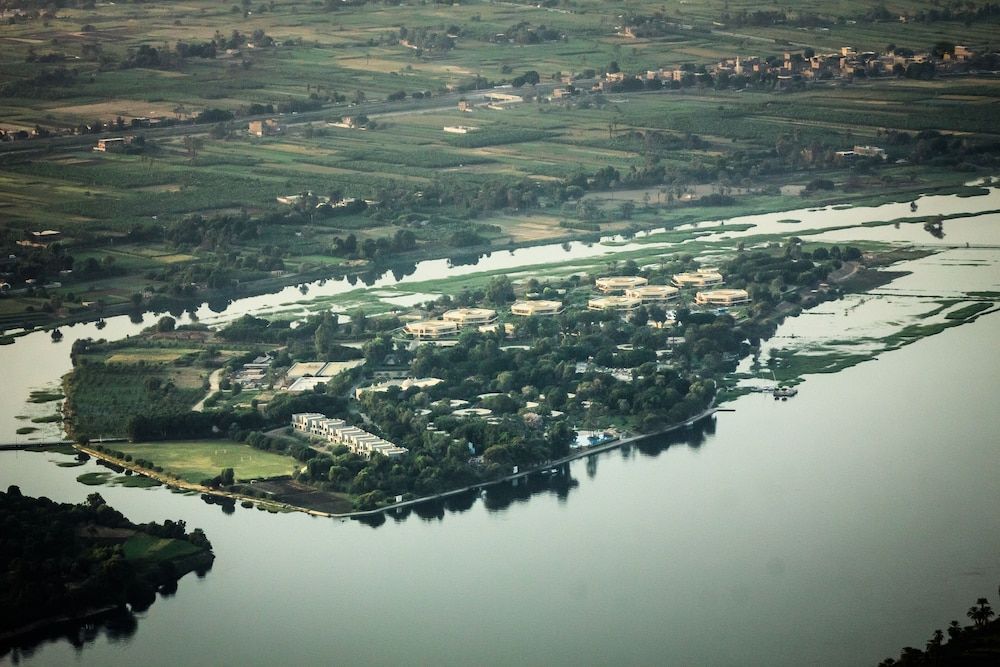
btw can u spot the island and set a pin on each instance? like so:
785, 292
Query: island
347, 417
62, 563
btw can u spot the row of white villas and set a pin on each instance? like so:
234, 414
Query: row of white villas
339, 432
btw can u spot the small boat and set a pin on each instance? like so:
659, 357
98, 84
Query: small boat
784, 392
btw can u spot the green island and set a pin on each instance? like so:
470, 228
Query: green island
61, 563
247, 147
503, 378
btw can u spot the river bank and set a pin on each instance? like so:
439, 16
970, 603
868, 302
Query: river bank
689, 216
172, 482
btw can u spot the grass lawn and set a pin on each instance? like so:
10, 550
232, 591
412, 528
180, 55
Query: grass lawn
195, 460
144, 547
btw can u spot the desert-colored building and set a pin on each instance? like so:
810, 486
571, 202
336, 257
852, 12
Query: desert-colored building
699, 278
611, 284
465, 317
431, 329
722, 297
624, 304
529, 308
653, 293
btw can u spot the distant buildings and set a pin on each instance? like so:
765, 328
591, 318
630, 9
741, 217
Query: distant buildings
722, 297
870, 151
41, 239
113, 145
431, 329
263, 128
459, 129
612, 284
699, 278
339, 432
625, 304
529, 308
465, 317
653, 293
402, 383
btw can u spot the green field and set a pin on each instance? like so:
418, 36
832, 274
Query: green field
120, 212
196, 460
143, 547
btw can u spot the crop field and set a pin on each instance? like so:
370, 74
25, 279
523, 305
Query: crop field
322, 58
196, 460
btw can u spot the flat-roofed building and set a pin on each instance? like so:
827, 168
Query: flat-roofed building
431, 329
653, 293
465, 317
529, 308
339, 432
303, 421
699, 278
611, 284
113, 144
624, 304
722, 297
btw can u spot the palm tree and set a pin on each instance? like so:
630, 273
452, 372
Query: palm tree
982, 614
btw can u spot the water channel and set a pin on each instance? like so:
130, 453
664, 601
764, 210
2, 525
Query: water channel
831, 529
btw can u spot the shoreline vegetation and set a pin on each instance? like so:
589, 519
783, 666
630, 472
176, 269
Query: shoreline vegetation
91, 562
174, 483
13, 328
976, 645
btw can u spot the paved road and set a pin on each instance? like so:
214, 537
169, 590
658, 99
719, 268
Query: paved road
372, 109
214, 380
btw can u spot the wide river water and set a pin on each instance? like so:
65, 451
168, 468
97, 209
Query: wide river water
831, 529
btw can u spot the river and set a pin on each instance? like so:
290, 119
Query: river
834, 529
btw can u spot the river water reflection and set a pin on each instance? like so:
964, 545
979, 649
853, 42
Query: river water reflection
834, 528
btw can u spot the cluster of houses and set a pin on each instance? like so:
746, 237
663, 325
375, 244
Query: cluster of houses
253, 374
114, 144
339, 432
625, 294
794, 66
496, 101
622, 294
264, 128
41, 239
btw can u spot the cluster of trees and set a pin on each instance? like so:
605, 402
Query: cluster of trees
657, 24
45, 84
375, 249
216, 232
427, 39
759, 18
525, 33
55, 559
965, 645
968, 13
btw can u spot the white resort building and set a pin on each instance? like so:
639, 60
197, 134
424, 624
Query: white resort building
431, 329
625, 304
339, 432
611, 284
653, 293
722, 297
467, 317
699, 278
529, 308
